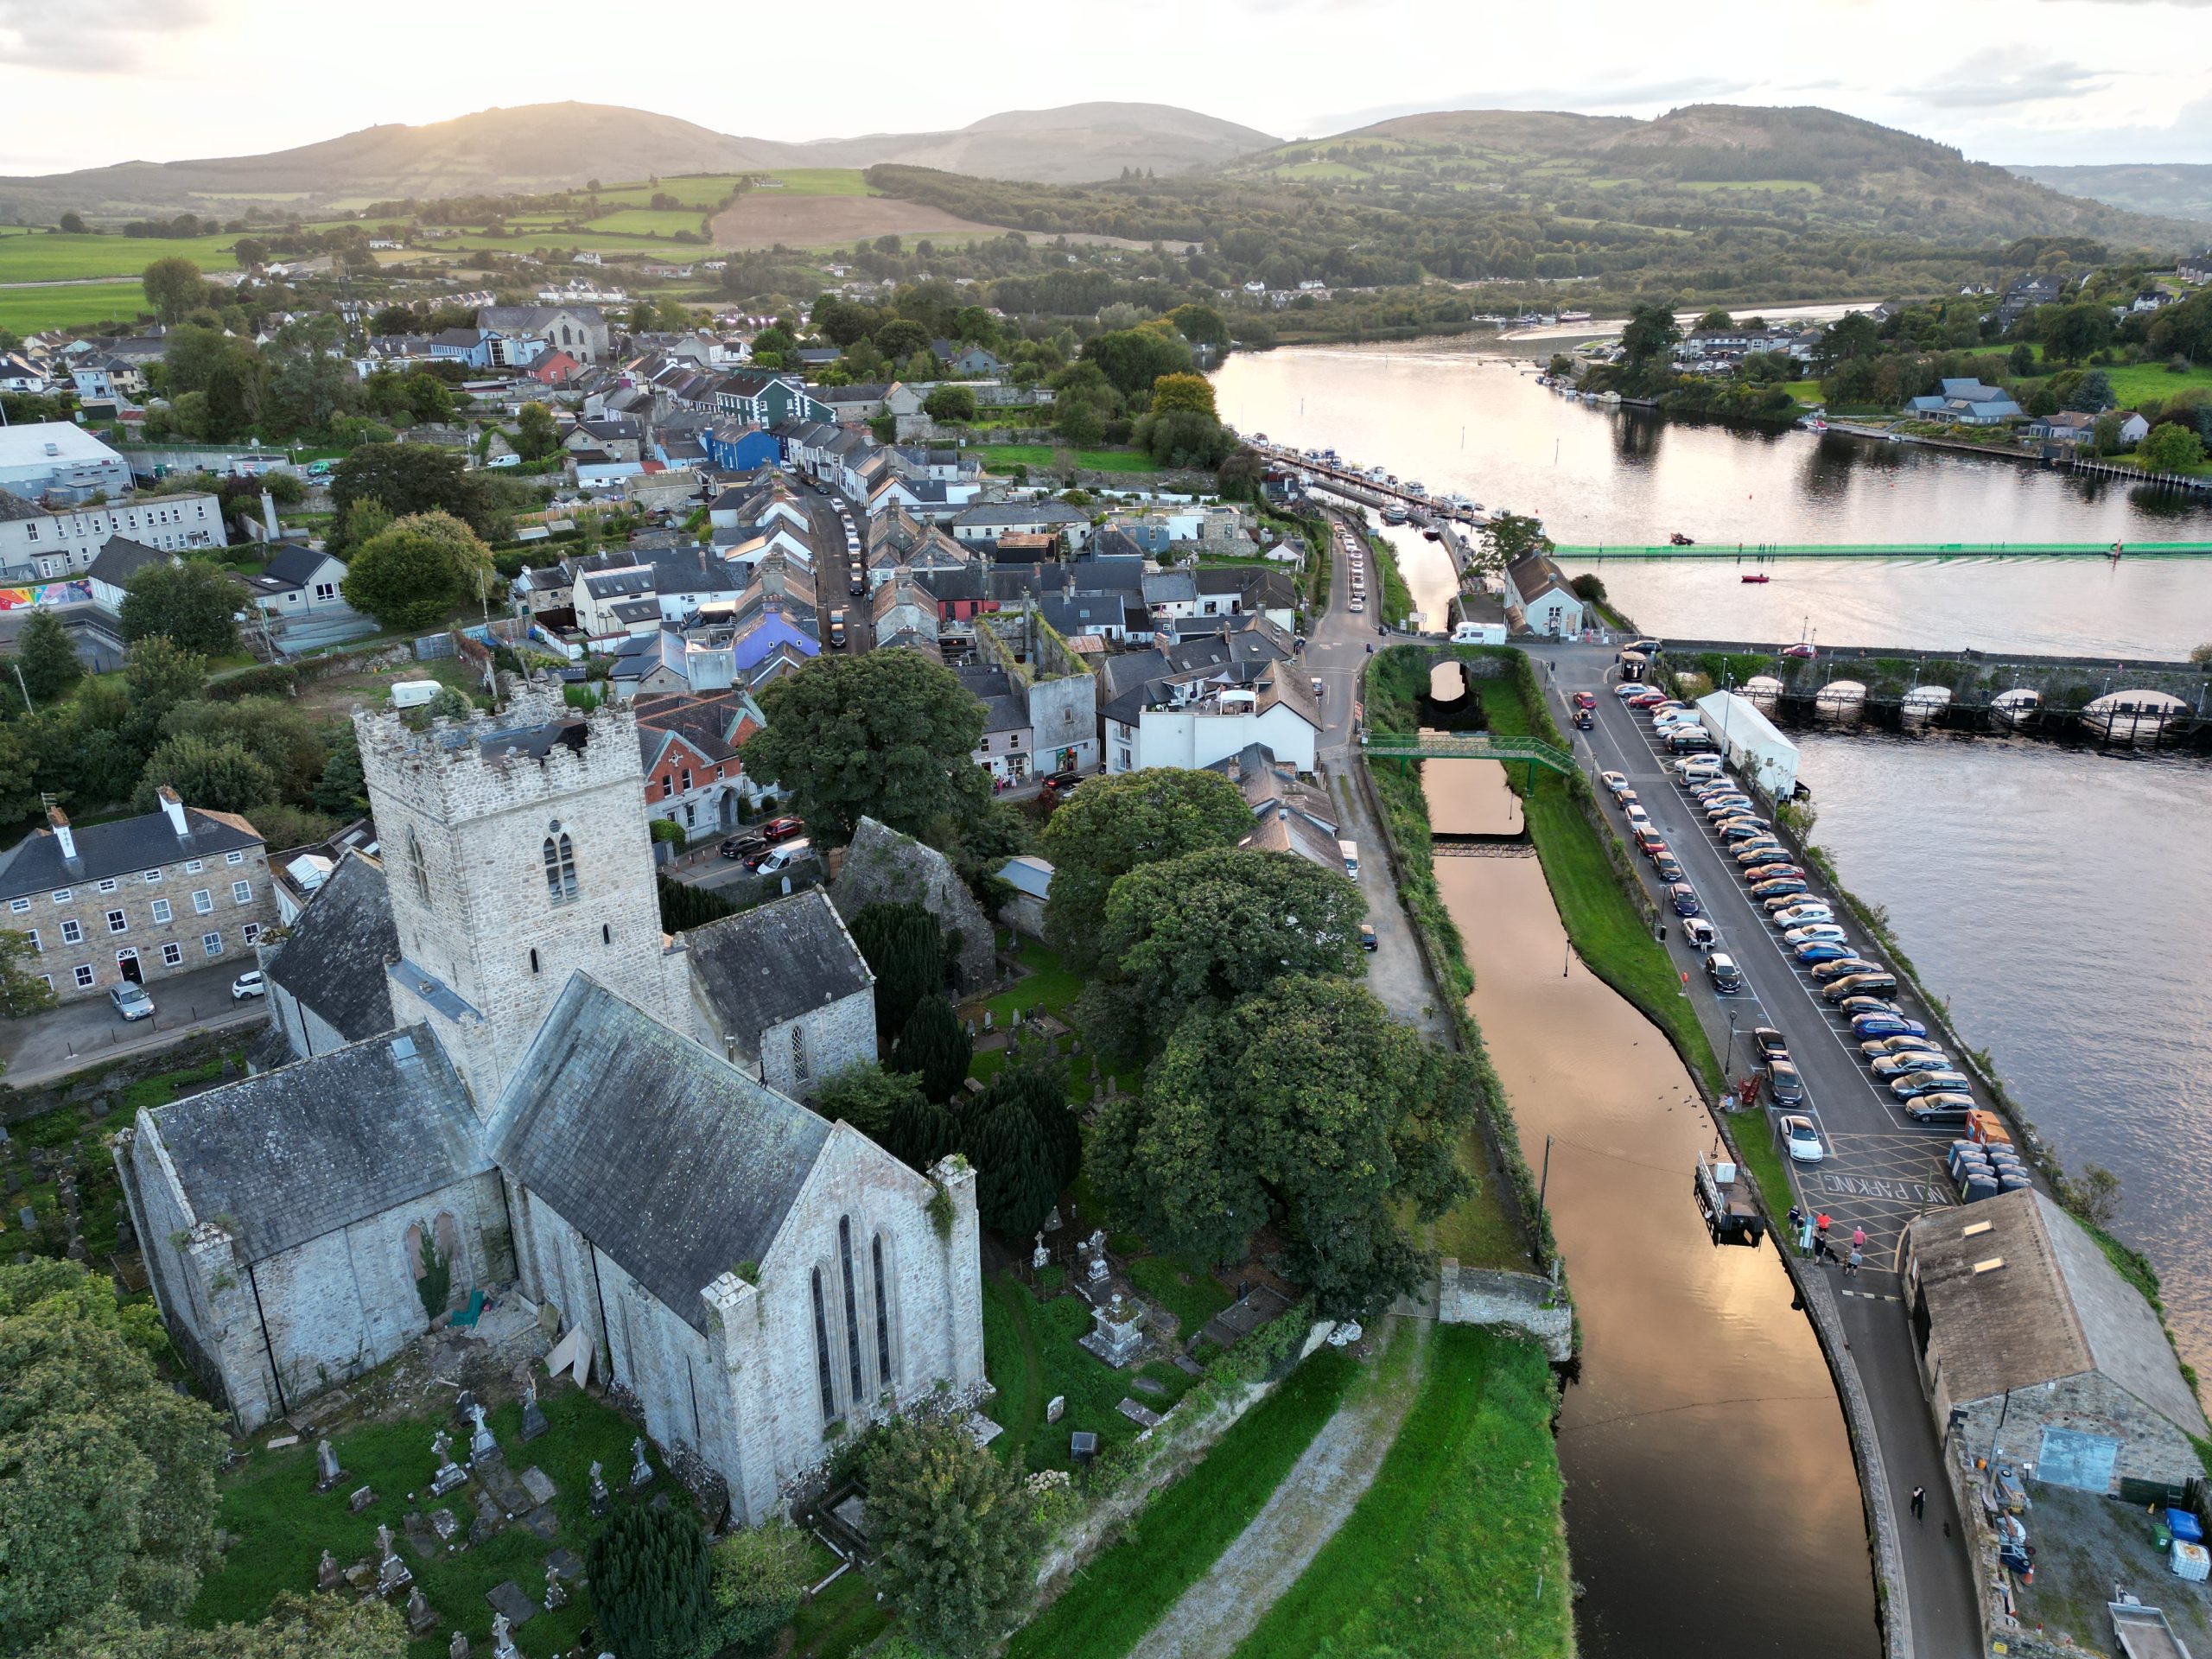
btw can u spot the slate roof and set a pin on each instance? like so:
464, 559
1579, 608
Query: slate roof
1004, 710
321, 1144
123, 847
774, 963
2055, 1308
663, 1154
333, 958
120, 558
296, 566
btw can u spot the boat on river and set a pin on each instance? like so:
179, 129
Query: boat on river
1724, 1196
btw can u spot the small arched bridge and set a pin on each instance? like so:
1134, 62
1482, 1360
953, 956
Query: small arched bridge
1467, 746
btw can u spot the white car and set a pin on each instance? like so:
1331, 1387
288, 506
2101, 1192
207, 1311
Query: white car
1814, 933
1810, 915
1615, 782
1802, 1139
247, 985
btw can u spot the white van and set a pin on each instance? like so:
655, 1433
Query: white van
413, 694
1348, 851
1478, 633
785, 856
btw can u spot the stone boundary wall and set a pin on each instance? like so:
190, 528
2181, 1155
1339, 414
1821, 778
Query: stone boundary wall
1527, 1301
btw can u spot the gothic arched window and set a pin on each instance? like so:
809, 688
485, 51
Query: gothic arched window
799, 1069
559, 866
882, 1320
852, 1305
421, 870
822, 1352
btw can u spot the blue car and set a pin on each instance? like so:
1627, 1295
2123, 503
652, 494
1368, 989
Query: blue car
1886, 1025
1685, 899
1775, 888
1824, 950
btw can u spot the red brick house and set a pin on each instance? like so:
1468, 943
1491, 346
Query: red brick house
688, 747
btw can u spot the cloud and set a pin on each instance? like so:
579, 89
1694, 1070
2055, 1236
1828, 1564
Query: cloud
115, 38
2002, 76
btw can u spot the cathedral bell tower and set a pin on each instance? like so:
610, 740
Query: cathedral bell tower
517, 851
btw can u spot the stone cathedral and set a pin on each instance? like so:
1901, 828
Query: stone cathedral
542, 1104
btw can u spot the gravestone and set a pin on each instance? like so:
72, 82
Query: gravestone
509, 1599
1056, 1407
422, 1535
361, 1575
420, 1621
503, 1640
557, 1593
326, 1575
362, 1498
464, 1405
1149, 1385
450, 1474
1144, 1417
541, 1520
599, 1499
564, 1562
327, 1474
15, 1180
480, 1443
1040, 1258
444, 1523
392, 1573
28, 1218
485, 1527
458, 1648
539, 1485
533, 1414
641, 1472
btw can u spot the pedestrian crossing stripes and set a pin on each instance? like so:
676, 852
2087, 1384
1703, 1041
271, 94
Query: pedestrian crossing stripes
1868, 1295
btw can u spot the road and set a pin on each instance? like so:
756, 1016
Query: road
47, 1045
1881, 1169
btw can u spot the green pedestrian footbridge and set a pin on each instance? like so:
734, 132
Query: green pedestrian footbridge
1467, 746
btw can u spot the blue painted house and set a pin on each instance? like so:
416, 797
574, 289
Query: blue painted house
734, 446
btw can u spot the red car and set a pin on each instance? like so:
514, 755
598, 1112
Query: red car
1584, 700
1646, 699
1801, 651
777, 829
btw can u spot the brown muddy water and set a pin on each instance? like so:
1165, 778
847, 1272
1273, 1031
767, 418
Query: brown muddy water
1712, 1504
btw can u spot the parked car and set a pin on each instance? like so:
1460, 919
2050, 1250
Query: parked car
1684, 898
1614, 782
1804, 1139
1636, 814
1061, 785
1886, 1025
1820, 952
1767, 1042
1666, 866
1916, 1084
1864, 1002
1727, 978
1646, 839
1902, 1043
1802, 651
1751, 858
782, 828
1942, 1109
1646, 698
836, 630
131, 1000
1799, 915
1367, 939
1745, 828
1700, 933
1812, 932
1845, 967
1775, 888
1690, 740
1759, 874
1629, 691
1874, 984
1626, 796
249, 984
1915, 1059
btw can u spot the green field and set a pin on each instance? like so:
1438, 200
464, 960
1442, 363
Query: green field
1458, 1547
50, 256
27, 311
594, 240
645, 221
998, 457
1122, 1593
821, 181
701, 191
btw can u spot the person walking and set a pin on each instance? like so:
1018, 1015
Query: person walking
1920, 1504
1821, 1223
1859, 1238
1851, 1265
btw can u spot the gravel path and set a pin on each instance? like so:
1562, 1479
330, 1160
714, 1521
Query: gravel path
1217, 1612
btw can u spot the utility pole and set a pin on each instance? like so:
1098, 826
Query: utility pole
1544, 1181
28, 706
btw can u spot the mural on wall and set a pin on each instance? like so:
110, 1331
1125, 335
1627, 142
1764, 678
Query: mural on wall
46, 593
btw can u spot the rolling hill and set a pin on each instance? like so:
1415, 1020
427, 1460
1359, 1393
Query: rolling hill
549, 147
2177, 189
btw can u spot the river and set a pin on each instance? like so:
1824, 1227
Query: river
1478, 423
1710, 1498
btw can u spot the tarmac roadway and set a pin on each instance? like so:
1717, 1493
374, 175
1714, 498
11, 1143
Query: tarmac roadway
1880, 1171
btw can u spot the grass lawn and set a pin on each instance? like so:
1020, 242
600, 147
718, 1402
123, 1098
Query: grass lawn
1184, 1287
53, 256
999, 457
1048, 985
701, 191
1030, 1352
646, 221
1459, 1547
1609, 935
843, 1619
283, 1524
821, 180
28, 311
1123, 1592
2131, 381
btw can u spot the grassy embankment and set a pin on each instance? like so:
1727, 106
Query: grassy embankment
1389, 599
1003, 457
1124, 1591
1459, 1547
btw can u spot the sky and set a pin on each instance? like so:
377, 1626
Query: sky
2006, 81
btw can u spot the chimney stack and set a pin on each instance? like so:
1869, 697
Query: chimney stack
174, 806
58, 821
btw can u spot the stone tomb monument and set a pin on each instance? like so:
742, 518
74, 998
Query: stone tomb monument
1116, 1335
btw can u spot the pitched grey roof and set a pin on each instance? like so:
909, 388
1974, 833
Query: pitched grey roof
301, 1151
333, 959
663, 1156
121, 558
772, 964
123, 847
296, 565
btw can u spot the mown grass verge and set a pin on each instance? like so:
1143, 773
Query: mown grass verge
1030, 1352
1184, 1530
1459, 1547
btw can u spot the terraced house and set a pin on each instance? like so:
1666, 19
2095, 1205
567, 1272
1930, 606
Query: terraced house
139, 899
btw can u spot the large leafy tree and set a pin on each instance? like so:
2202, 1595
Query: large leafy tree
1023, 1140
173, 286
2171, 448
868, 1098
412, 574
759, 1576
298, 1627
220, 776
1306, 1108
110, 1495
888, 734
158, 674
191, 601
904, 948
934, 1047
1132, 359
652, 1585
21, 990
409, 479
1112, 825
1191, 392
1648, 338
1214, 925
290, 743
957, 1536
536, 434
46, 658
